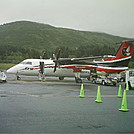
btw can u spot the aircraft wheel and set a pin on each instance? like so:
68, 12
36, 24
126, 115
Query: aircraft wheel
78, 80
61, 78
18, 78
114, 83
103, 82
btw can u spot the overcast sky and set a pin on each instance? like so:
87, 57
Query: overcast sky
110, 16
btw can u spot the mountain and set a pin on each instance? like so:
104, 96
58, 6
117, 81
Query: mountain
31, 34
39, 37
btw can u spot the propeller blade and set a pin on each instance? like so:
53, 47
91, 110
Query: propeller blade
58, 55
54, 56
55, 66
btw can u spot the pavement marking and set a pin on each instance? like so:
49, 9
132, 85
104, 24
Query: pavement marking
54, 95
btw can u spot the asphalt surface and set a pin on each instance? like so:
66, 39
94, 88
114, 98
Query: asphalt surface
53, 106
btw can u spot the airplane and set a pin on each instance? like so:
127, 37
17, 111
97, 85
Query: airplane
76, 67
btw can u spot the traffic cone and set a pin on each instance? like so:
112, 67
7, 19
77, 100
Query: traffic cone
120, 91
82, 91
127, 86
98, 99
124, 103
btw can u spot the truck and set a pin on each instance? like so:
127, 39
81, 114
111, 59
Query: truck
130, 78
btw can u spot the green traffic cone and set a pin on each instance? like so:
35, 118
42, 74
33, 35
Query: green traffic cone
82, 91
127, 86
120, 91
124, 103
98, 99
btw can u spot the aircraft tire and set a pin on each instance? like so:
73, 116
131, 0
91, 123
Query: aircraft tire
61, 78
18, 78
103, 83
114, 83
78, 80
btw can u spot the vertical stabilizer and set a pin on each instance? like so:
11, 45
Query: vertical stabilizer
126, 50
123, 54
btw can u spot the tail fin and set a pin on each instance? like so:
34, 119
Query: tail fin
123, 54
126, 50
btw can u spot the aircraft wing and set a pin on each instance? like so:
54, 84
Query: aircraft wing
79, 63
83, 60
86, 58
75, 62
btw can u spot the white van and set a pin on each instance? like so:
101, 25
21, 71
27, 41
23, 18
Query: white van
130, 78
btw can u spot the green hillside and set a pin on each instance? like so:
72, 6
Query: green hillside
31, 34
24, 39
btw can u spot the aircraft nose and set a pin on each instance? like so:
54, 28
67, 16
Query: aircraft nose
13, 70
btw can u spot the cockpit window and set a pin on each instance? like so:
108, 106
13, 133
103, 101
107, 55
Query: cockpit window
30, 63
26, 62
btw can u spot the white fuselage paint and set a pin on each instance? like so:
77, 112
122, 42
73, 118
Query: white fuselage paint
30, 67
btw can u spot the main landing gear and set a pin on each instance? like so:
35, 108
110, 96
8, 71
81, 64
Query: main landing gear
61, 78
41, 72
77, 77
18, 77
78, 80
41, 76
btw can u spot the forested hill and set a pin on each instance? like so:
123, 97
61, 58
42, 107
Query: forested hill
24, 39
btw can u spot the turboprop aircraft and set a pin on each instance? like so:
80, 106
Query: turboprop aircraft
76, 67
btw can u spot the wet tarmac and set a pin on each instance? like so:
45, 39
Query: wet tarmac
53, 106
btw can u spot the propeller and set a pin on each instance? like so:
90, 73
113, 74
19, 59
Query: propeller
56, 59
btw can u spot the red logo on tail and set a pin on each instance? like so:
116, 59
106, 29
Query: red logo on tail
126, 51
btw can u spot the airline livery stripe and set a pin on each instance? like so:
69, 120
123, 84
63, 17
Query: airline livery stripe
113, 68
112, 61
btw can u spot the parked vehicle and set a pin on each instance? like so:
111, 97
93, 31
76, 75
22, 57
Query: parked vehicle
104, 80
3, 77
130, 78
